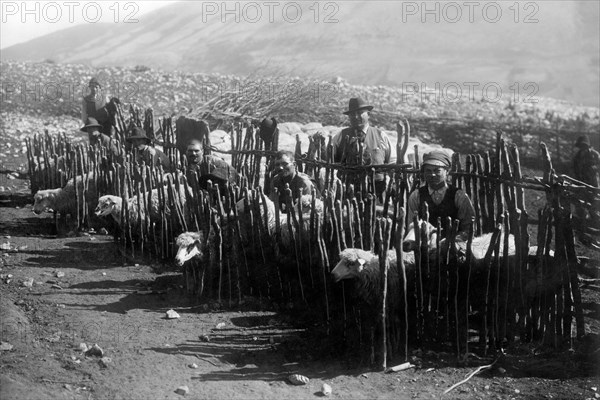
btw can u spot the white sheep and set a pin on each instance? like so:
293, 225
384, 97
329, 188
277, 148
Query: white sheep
286, 241
64, 200
189, 245
479, 246
112, 205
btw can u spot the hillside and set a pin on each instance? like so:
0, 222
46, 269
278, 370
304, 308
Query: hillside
559, 53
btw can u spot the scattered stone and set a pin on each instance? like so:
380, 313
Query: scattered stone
95, 351
19, 302
83, 347
401, 367
501, 370
221, 325
103, 231
517, 391
59, 274
171, 314
5, 246
56, 287
104, 362
326, 389
204, 338
21, 248
5, 346
104, 274
182, 390
27, 283
68, 387
193, 366
297, 379
54, 338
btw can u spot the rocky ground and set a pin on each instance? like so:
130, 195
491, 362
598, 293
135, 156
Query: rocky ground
61, 295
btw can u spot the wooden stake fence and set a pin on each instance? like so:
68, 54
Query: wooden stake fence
289, 259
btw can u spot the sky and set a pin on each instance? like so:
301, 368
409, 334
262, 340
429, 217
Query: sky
25, 20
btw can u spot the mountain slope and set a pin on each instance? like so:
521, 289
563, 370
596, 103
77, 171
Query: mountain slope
368, 45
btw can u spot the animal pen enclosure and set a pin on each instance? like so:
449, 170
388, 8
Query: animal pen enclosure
438, 296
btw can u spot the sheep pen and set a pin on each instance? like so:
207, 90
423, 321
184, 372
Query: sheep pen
252, 249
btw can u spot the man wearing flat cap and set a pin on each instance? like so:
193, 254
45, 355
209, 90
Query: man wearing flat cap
586, 166
146, 153
443, 200
376, 146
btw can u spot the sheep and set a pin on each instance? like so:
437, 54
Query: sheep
363, 267
64, 200
479, 247
306, 202
109, 205
112, 205
189, 245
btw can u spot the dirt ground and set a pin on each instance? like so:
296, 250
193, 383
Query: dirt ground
120, 304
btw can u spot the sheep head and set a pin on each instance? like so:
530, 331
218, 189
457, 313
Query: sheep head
189, 245
106, 205
43, 201
352, 262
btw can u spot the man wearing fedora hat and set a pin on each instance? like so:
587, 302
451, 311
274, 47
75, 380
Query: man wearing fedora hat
586, 165
443, 200
376, 146
97, 138
208, 167
146, 153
